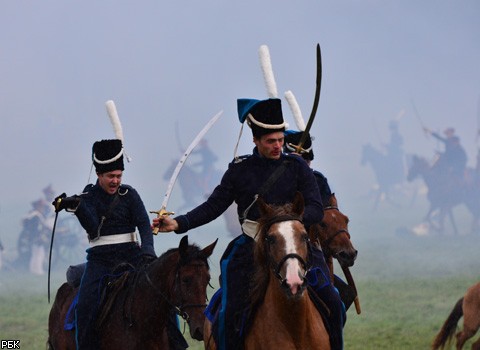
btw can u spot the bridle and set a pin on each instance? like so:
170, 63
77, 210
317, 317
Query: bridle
180, 310
276, 267
331, 238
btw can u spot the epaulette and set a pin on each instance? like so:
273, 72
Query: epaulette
86, 189
240, 159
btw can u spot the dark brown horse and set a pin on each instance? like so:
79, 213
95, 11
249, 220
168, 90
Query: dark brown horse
469, 307
442, 194
137, 316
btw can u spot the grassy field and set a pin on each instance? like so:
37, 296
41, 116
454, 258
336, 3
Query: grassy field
407, 284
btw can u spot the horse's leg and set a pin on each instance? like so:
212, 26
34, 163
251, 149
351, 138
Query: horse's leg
463, 336
476, 345
471, 317
452, 220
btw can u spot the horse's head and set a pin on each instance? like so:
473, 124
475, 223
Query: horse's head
333, 234
282, 244
418, 166
188, 276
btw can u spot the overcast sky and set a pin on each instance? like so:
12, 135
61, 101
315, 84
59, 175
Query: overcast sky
183, 61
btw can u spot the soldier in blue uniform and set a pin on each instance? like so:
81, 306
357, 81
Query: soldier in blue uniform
110, 212
292, 139
247, 177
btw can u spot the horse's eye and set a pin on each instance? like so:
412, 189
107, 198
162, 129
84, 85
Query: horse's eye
270, 239
187, 280
305, 237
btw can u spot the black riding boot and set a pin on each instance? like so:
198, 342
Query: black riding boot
319, 282
236, 270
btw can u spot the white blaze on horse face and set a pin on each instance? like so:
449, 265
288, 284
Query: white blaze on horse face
293, 268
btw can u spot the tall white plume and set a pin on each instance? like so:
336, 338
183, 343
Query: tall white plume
295, 108
267, 70
117, 125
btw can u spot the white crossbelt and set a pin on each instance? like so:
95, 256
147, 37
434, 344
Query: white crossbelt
114, 239
250, 227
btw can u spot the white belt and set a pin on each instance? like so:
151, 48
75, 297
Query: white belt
250, 228
114, 239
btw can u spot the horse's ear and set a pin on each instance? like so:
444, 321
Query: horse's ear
183, 246
298, 204
207, 251
263, 207
333, 200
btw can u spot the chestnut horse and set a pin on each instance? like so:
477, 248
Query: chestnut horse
285, 316
333, 236
139, 303
469, 307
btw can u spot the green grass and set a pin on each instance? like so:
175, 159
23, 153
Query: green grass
407, 285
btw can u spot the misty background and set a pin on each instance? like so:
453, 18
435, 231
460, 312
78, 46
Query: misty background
176, 64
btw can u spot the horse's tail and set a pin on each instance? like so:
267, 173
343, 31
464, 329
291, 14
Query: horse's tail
449, 327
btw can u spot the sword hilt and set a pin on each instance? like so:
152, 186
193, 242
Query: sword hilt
160, 213
298, 148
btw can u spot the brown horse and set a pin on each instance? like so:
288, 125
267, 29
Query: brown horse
140, 302
333, 236
469, 307
285, 316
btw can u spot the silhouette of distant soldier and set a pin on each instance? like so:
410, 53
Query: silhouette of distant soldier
388, 165
33, 239
208, 174
395, 154
452, 162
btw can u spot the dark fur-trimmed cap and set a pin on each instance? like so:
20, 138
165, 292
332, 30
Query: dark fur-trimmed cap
107, 155
292, 138
263, 116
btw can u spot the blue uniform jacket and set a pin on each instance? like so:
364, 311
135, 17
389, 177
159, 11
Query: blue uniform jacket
243, 180
126, 215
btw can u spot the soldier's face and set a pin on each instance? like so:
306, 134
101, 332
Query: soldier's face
110, 181
270, 145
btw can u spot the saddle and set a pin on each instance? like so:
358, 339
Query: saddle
111, 285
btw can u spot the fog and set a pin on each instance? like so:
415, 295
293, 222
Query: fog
168, 64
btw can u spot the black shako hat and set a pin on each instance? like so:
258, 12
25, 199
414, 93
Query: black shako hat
262, 116
107, 155
292, 139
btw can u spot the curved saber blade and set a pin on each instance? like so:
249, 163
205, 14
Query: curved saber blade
180, 164
315, 101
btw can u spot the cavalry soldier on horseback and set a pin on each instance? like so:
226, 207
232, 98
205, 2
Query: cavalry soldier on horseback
276, 177
110, 212
453, 161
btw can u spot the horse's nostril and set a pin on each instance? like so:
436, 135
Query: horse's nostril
198, 334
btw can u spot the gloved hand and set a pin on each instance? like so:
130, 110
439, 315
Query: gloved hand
68, 203
147, 259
